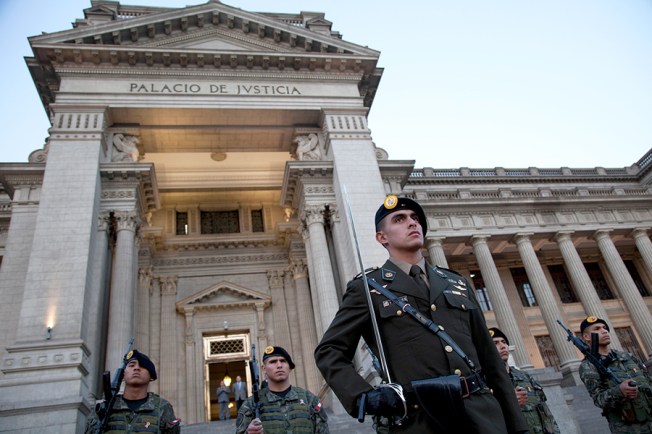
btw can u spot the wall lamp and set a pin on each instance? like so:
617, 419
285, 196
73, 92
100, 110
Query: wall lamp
48, 333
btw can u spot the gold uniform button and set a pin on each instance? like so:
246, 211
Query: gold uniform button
399, 312
433, 307
458, 372
448, 349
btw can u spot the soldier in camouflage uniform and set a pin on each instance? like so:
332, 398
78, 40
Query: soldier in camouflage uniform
283, 408
529, 393
626, 405
137, 410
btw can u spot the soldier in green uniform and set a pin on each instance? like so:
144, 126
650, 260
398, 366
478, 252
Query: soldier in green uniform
137, 410
626, 405
529, 393
283, 408
413, 352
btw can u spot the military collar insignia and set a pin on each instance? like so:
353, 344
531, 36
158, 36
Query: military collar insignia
388, 274
440, 273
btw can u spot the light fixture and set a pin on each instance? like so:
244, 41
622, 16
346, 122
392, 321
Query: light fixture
227, 379
48, 333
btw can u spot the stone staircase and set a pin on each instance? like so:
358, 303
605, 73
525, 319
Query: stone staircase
336, 423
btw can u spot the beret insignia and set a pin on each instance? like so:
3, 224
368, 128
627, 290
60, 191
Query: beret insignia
591, 319
269, 349
390, 201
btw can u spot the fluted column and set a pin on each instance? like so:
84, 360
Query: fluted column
155, 327
580, 278
308, 330
293, 318
142, 309
122, 299
644, 246
504, 315
631, 297
435, 246
191, 381
262, 328
323, 271
547, 304
168, 362
305, 234
279, 309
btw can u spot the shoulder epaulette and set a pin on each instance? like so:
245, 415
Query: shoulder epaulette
367, 271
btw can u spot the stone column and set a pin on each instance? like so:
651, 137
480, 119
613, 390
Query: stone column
262, 329
435, 246
142, 309
305, 234
549, 308
581, 280
323, 272
155, 327
294, 328
279, 309
644, 246
631, 297
191, 382
504, 315
307, 330
122, 299
168, 362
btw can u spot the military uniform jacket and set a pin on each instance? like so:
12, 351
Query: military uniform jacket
624, 415
299, 412
156, 415
536, 412
415, 353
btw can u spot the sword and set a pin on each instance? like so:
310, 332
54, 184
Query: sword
374, 322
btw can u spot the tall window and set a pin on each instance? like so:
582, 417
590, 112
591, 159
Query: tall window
629, 342
182, 223
548, 353
480, 290
220, 222
598, 281
563, 285
523, 287
257, 221
637, 278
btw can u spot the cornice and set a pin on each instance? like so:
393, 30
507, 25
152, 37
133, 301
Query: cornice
294, 171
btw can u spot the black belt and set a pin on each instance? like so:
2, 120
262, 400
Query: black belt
470, 384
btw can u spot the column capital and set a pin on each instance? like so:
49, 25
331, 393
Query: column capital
563, 235
523, 237
275, 278
639, 232
314, 214
479, 239
127, 220
601, 234
104, 221
434, 242
168, 285
299, 268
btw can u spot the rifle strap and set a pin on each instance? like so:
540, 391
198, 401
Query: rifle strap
426, 322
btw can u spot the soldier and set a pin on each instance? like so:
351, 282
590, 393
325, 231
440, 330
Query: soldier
418, 361
626, 405
138, 410
283, 408
529, 393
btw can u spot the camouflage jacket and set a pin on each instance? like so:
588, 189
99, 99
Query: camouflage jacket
156, 415
536, 412
624, 415
298, 412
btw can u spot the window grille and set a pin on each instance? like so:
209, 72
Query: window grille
547, 351
220, 222
226, 347
257, 221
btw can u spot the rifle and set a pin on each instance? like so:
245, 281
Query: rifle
111, 390
255, 386
590, 354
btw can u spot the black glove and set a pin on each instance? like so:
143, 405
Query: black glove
384, 401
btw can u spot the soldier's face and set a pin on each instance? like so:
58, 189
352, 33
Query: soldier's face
135, 374
401, 230
277, 369
601, 330
502, 347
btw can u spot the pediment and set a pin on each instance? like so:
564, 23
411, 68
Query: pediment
210, 26
223, 295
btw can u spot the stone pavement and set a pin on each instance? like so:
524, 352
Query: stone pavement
337, 424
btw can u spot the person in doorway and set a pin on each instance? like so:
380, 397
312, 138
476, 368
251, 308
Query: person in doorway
434, 388
529, 393
239, 392
223, 393
283, 408
137, 410
627, 404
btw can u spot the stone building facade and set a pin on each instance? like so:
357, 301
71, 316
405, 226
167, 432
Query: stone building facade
194, 193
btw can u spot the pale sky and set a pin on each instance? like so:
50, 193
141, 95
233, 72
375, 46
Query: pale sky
467, 83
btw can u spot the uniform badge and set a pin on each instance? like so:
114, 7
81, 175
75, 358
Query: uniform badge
318, 407
147, 425
129, 354
440, 273
388, 274
390, 201
591, 319
386, 303
459, 287
269, 349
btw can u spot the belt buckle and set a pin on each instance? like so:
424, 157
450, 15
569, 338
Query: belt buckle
465, 385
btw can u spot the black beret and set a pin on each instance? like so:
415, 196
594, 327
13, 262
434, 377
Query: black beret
272, 351
393, 203
496, 333
590, 320
143, 361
